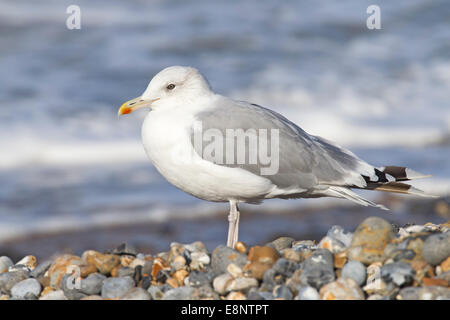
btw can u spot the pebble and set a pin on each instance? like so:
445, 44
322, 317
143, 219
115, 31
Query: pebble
92, 284
181, 293
307, 293
282, 292
24, 287
256, 269
241, 284
341, 289
236, 295
155, 292
370, 239
285, 267
445, 265
318, 269
331, 244
198, 278
282, 243
355, 270
136, 294
9, 279
222, 256
241, 247
199, 260
116, 287
125, 271
66, 263
436, 248
93, 297
400, 273
338, 233
124, 249
5, 263
40, 269
71, 286
424, 293
104, 263
266, 255
178, 263
220, 283
196, 246
54, 295
234, 270
29, 261
291, 254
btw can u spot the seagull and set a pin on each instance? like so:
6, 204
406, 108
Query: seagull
224, 150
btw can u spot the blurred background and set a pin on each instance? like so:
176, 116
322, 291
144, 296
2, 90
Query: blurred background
74, 177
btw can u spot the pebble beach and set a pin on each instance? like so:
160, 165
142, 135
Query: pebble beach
376, 261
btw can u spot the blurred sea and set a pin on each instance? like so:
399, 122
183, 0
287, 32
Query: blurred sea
67, 164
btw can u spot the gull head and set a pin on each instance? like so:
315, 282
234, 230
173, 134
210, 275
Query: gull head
173, 86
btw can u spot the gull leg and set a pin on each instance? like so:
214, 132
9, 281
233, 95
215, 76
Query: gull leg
236, 227
233, 220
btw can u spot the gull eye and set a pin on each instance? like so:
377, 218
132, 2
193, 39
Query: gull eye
170, 86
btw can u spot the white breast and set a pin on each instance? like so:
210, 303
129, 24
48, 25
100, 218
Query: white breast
167, 142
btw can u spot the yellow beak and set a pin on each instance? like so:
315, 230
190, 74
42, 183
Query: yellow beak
134, 104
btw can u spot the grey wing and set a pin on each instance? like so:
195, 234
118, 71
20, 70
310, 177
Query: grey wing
292, 159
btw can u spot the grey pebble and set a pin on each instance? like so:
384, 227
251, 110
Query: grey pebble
222, 256
40, 269
136, 294
399, 273
125, 271
307, 293
436, 248
282, 292
116, 287
198, 278
338, 233
26, 289
304, 245
5, 263
124, 249
355, 270
9, 279
285, 267
155, 292
318, 269
92, 284
281, 243
425, 293
70, 286
181, 293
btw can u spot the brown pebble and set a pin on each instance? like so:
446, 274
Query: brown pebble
370, 240
340, 259
256, 269
241, 247
172, 282
435, 282
87, 269
62, 265
158, 264
115, 271
236, 295
291, 254
104, 263
180, 275
93, 297
267, 255
341, 289
445, 265
47, 290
